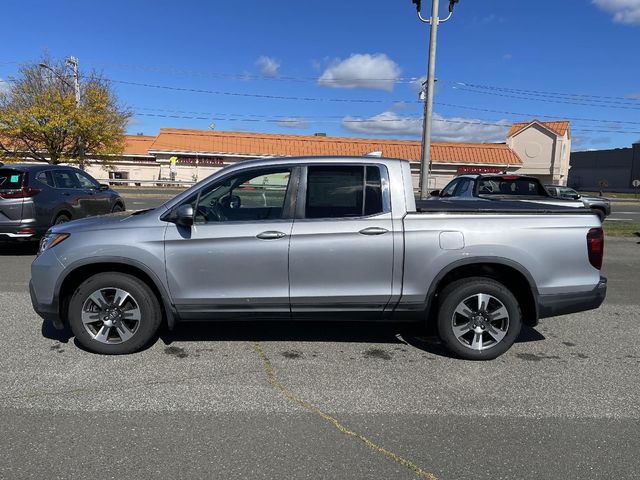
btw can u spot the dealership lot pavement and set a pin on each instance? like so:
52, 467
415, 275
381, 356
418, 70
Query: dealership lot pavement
265, 400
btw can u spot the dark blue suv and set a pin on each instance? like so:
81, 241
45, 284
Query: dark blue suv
34, 197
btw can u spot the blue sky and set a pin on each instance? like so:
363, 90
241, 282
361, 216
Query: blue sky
348, 67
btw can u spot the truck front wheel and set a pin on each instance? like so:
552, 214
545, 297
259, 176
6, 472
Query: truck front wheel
114, 313
479, 318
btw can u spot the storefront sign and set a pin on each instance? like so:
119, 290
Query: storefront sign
480, 170
200, 160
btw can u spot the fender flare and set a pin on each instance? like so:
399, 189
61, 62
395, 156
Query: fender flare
127, 262
478, 261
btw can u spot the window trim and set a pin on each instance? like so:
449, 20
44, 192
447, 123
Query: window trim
301, 201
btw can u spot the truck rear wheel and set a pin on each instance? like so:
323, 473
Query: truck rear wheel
114, 313
479, 318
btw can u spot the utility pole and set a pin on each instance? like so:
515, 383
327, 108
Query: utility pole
73, 61
425, 158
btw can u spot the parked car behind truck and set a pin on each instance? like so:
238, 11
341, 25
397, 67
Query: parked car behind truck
339, 238
33, 197
599, 205
501, 187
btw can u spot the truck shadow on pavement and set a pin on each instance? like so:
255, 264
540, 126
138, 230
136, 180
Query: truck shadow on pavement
338, 332
290, 331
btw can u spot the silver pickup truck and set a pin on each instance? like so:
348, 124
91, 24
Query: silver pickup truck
331, 238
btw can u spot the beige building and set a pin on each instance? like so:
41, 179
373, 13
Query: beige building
544, 148
534, 148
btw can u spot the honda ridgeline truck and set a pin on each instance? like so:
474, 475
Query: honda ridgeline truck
330, 238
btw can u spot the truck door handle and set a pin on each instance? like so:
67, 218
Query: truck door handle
374, 231
270, 235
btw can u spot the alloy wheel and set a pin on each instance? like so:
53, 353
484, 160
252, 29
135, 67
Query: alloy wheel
480, 321
111, 315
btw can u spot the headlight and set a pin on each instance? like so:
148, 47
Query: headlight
50, 240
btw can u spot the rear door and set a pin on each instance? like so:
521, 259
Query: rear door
98, 202
341, 249
70, 193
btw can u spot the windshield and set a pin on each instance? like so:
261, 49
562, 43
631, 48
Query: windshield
510, 186
10, 179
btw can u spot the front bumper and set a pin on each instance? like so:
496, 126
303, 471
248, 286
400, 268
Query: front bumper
49, 312
565, 303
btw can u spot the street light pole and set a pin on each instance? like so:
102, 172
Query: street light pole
425, 158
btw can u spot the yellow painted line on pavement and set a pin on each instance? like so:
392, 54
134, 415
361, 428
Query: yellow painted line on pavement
268, 370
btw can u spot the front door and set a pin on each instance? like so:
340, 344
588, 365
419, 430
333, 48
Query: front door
234, 260
341, 252
98, 201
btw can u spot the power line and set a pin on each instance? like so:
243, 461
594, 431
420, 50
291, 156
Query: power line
535, 115
252, 95
619, 105
411, 79
544, 93
406, 117
437, 120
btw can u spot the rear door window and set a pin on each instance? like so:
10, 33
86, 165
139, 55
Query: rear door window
65, 179
45, 177
11, 179
340, 191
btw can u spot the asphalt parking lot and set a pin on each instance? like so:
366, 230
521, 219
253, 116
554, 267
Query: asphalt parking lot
286, 400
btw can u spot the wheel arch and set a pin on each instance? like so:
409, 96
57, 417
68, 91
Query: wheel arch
80, 272
62, 211
511, 274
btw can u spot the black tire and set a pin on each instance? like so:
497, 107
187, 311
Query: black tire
467, 289
62, 218
117, 208
599, 213
140, 295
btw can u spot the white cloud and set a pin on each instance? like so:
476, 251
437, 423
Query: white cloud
403, 107
4, 86
385, 123
453, 129
624, 11
362, 70
268, 65
293, 122
634, 96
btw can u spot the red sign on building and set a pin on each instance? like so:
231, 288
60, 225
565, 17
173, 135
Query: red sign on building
480, 170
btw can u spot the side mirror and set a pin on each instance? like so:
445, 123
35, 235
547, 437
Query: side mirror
435, 193
184, 215
103, 187
577, 197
